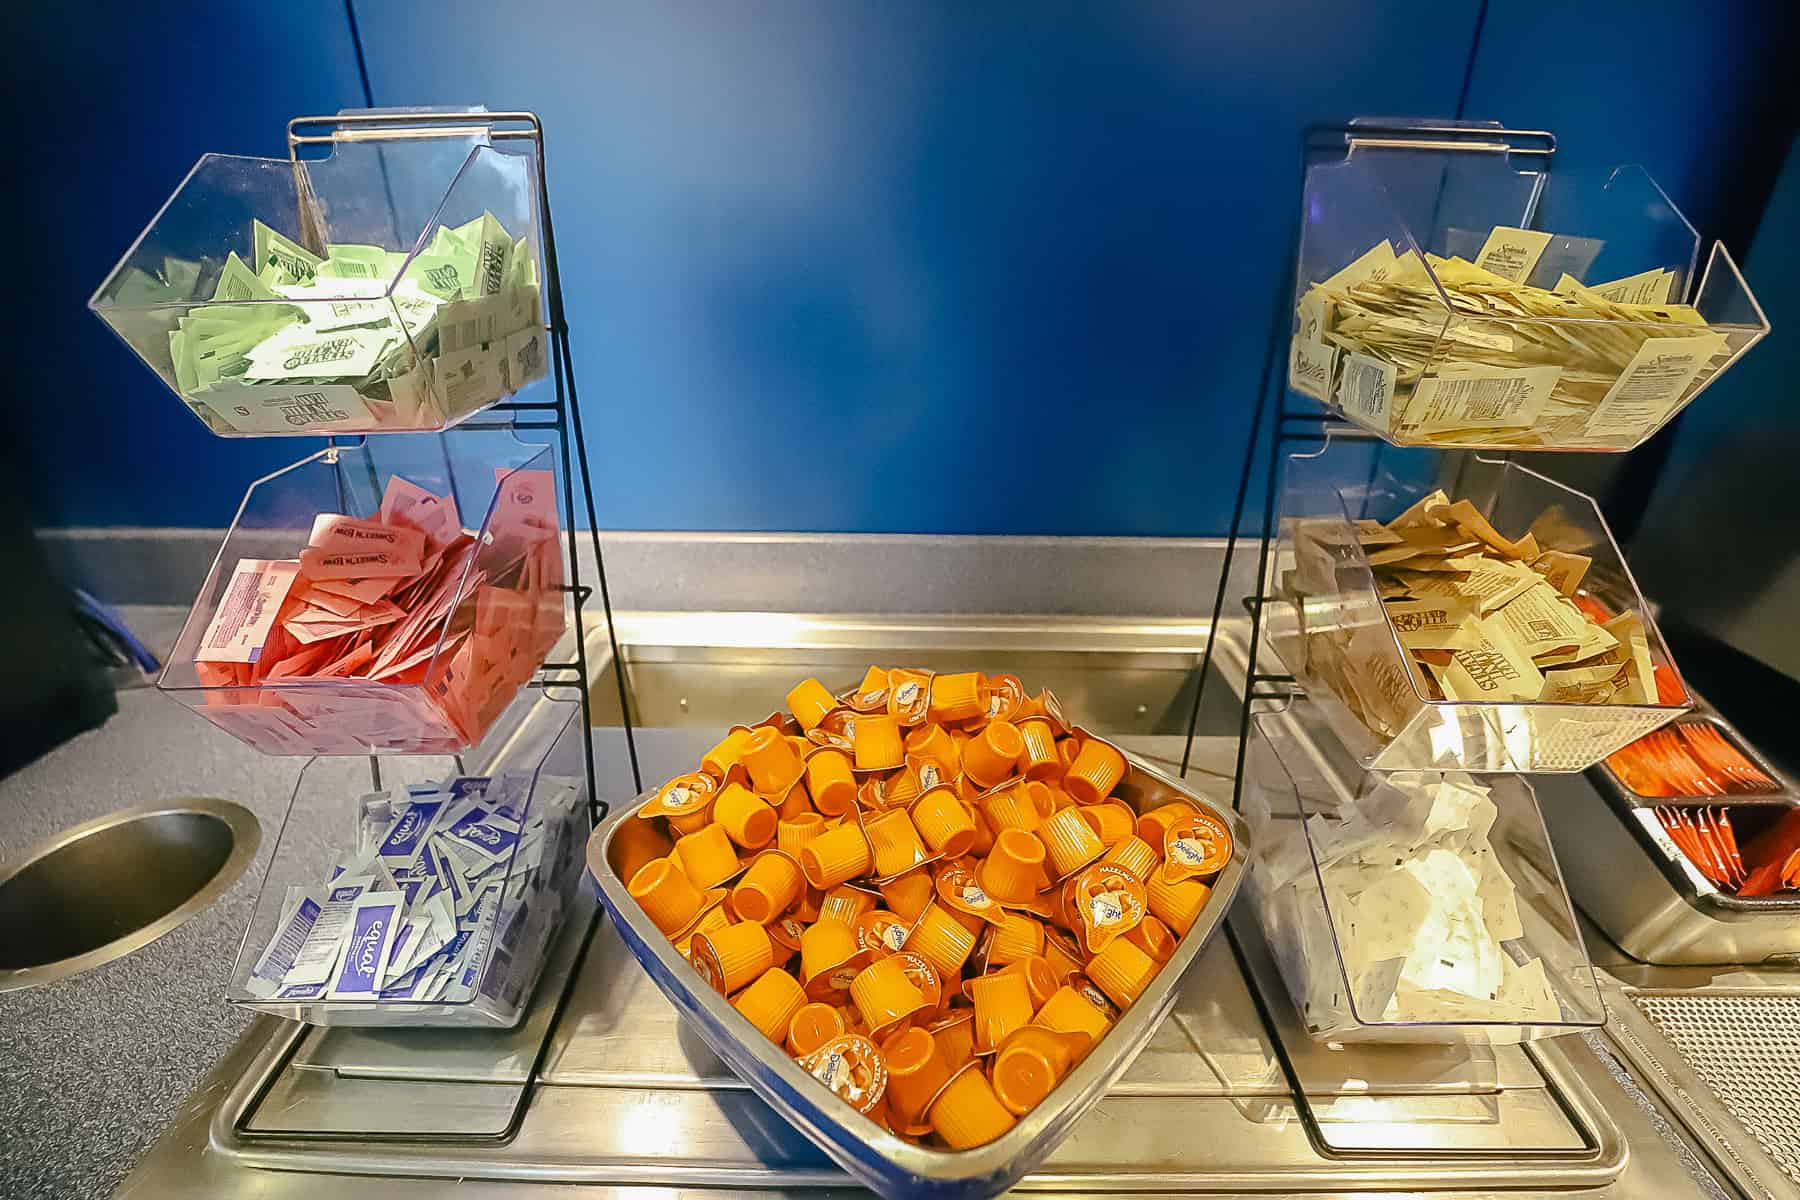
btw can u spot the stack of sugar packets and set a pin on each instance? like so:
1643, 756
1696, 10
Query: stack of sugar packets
453, 891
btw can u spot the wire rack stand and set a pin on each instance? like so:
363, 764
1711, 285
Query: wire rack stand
560, 416
1298, 421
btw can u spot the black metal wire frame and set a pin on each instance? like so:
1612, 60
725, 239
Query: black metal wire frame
562, 416
1313, 425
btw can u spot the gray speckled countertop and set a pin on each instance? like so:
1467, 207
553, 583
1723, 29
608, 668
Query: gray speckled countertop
149, 1026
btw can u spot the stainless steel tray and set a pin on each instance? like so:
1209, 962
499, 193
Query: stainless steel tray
882, 1161
1638, 887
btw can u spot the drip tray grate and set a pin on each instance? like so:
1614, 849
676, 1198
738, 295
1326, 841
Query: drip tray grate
1747, 1050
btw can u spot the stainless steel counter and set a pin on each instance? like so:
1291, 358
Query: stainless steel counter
626, 1099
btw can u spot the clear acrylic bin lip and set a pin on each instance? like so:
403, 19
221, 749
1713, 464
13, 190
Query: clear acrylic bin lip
1474, 735
542, 738
487, 473
397, 196
876, 1158
1607, 226
1291, 766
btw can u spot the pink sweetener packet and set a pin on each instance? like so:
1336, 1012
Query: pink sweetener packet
357, 564
354, 660
306, 632
247, 611
309, 593
362, 591
524, 515
304, 662
334, 531
417, 658
406, 503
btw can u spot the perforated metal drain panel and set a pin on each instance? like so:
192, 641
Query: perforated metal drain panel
1747, 1049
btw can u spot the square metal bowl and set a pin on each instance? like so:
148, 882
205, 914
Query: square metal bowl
878, 1159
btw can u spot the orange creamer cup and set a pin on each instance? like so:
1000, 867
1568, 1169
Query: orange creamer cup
1041, 761
1002, 1004
945, 823
909, 695
667, 896
792, 834
1095, 772
871, 693
967, 1113
1063, 955
955, 1034
992, 755
959, 697
1154, 938
768, 889
691, 822
1111, 820
1020, 937
836, 856
1040, 978
1013, 872
1012, 808
877, 745
773, 764
770, 1002
1067, 1012
896, 844
1195, 846
638, 842
984, 833
846, 904
901, 789
933, 743
1122, 971
828, 946
884, 996
809, 701
707, 857
1136, 855
908, 895
830, 781
813, 1025
795, 803
1071, 841
941, 941
881, 932
917, 1072
715, 918
746, 818
1177, 904
852, 1067
1153, 826
727, 754
731, 957
1031, 1063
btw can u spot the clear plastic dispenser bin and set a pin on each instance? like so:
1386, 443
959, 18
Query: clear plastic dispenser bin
474, 632
504, 907
1327, 622
392, 286
1463, 296
1401, 908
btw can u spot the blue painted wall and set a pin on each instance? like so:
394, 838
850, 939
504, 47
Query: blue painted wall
133, 95
1000, 268
1717, 541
